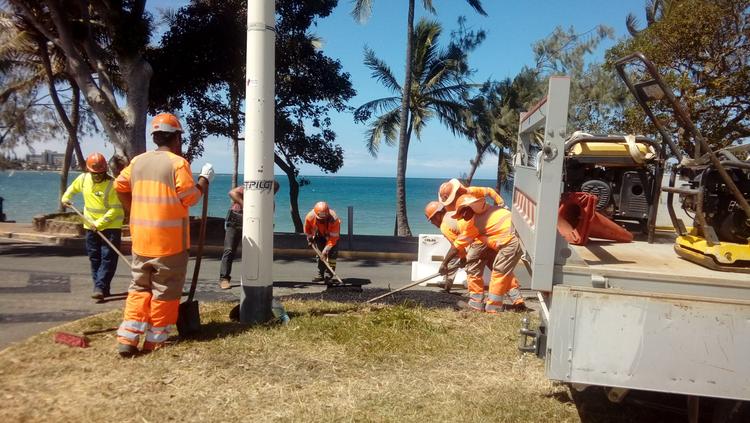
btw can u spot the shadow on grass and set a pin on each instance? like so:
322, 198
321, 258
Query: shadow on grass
217, 330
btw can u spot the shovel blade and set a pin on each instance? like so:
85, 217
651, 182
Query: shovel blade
189, 319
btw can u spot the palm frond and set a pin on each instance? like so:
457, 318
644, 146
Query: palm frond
381, 71
427, 4
477, 5
362, 10
379, 105
384, 127
631, 23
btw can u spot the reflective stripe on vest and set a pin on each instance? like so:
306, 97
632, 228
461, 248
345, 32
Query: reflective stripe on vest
155, 200
171, 223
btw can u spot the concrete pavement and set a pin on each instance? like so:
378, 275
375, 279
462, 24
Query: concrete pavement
42, 286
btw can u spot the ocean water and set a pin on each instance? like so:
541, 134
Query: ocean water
30, 193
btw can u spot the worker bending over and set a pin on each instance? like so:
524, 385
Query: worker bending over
476, 261
322, 227
493, 226
451, 190
103, 213
448, 225
157, 189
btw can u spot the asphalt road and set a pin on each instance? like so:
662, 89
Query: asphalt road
42, 286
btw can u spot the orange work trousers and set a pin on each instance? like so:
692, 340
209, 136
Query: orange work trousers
153, 299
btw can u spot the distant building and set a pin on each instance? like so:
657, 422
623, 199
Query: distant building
51, 160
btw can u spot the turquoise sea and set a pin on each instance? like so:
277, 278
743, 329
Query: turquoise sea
28, 193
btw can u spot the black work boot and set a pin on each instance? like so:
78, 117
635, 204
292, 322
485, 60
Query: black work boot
319, 278
127, 351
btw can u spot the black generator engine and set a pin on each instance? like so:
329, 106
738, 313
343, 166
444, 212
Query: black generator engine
621, 170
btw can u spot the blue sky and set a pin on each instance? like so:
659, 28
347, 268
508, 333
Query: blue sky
512, 27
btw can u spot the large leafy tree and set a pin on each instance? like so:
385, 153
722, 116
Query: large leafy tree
437, 87
703, 50
362, 11
200, 68
206, 78
102, 43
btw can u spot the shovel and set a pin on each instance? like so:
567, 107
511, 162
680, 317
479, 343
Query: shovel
320, 256
188, 317
122, 256
404, 287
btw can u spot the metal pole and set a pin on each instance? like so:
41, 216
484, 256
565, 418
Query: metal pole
257, 227
350, 225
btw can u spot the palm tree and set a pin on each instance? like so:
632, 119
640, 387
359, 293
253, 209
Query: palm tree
362, 11
436, 90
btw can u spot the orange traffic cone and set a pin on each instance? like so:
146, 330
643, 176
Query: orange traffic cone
604, 228
575, 216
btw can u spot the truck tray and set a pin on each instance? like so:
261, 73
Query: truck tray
647, 267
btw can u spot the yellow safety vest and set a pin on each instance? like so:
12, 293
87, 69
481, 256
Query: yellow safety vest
101, 204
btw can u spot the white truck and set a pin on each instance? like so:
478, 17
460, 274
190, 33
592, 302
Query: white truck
623, 316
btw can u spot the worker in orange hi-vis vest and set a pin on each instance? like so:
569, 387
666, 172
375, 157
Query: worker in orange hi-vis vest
449, 227
451, 190
157, 189
493, 226
322, 227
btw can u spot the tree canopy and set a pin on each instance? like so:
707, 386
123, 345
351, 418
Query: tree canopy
703, 51
201, 70
102, 44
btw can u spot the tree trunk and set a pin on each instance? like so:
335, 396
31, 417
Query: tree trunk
137, 73
475, 163
402, 221
71, 127
72, 142
291, 175
500, 176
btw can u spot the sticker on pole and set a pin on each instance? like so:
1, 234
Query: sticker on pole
261, 185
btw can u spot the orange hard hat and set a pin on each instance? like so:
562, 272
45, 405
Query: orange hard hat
165, 122
321, 210
432, 208
476, 204
96, 163
448, 191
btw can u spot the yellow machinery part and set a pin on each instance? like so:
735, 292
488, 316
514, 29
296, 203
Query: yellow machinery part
724, 254
605, 149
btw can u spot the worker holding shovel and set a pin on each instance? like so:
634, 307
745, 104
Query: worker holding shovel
322, 227
157, 189
102, 213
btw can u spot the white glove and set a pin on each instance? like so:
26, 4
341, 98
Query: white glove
207, 171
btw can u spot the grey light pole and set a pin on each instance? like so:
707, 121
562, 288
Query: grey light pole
257, 227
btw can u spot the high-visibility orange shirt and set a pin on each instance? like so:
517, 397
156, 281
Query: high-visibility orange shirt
481, 192
449, 227
329, 228
493, 227
162, 189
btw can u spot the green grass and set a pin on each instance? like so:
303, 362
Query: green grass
333, 362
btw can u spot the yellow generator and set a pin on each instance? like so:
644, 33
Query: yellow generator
715, 185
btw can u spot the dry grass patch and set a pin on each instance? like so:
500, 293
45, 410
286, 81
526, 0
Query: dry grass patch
333, 362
